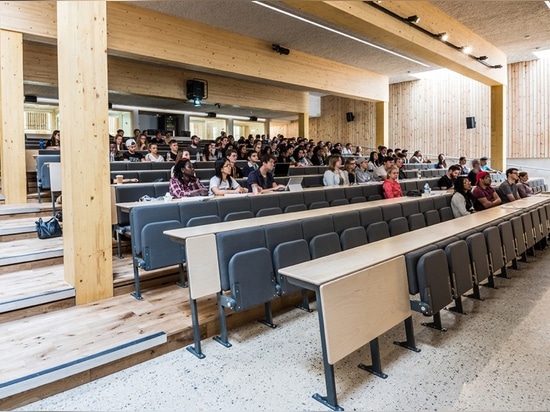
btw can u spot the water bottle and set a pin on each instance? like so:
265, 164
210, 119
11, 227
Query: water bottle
42, 145
198, 156
419, 174
111, 157
427, 190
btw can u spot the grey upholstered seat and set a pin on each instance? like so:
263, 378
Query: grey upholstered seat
391, 211
288, 254
269, 211
324, 244
432, 217
370, 215
202, 220
295, 208
314, 226
353, 237
398, 226
240, 215
342, 221
416, 221
508, 245
319, 205
377, 231
446, 213
480, 263
409, 208
339, 202
519, 237
434, 284
458, 259
495, 251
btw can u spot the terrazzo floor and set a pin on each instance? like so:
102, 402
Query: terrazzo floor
496, 358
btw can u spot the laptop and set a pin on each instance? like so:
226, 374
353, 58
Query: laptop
281, 169
294, 184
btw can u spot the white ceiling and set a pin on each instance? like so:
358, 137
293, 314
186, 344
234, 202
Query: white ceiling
516, 27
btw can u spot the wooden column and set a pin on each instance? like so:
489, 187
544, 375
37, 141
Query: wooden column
303, 125
83, 109
12, 130
498, 128
382, 130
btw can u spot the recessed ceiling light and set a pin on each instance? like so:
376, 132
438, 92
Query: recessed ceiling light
547, 3
357, 39
542, 54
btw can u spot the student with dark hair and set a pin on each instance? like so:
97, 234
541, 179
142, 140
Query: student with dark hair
261, 179
508, 191
173, 153
333, 176
232, 156
524, 189
185, 183
222, 183
55, 141
252, 163
448, 179
476, 168
484, 195
462, 202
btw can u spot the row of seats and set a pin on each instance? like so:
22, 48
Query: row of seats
441, 274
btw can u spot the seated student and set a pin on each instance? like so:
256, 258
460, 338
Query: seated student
447, 180
261, 179
381, 172
185, 183
441, 162
391, 186
142, 142
231, 155
362, 172
299, 159
524, 189
252, 164
462, 202
153, 155
114, 154
349, 168
222, 183
508, 190
399, 162
158, 138
173, 153
484, 166
333, 176
195, 151
463, 168
131, 155
55, 141
484, 195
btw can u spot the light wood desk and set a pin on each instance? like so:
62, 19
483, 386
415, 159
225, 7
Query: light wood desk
360, 271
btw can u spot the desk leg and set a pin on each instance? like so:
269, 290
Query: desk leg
330, 400
410, 342
196, 349
376, 367
222, 339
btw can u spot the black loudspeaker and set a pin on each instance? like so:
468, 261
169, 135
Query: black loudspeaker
211, 114
196, 88
470, 123
30, 99
350, 116
253, 119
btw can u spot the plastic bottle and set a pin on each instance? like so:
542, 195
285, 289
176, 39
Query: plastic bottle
419, 174
427, 190
42, 145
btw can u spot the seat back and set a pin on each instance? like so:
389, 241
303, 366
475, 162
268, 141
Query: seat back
411, 261
529, 229
370, 215
231, 242
377, 231
258, 203
416, 221
158, 250
202, 220
425, 204
269, 211
507, 238
519, 235
432, 217
130, 193
251, 278
439, 202
446, 213
313, 197
189, 210
288, 254
537, 230
339, 202
409, 208
241, 215
324, 245
478, 256
141, 216
336, 193
314, 226
233, 204
398, 226
460, 271
353, 237
495, 252
318, 205
353, 191
283, 232
433, 280
290, 198
295, 208
342, 221
391, 211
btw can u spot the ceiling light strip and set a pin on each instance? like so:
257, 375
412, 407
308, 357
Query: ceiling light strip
357, 39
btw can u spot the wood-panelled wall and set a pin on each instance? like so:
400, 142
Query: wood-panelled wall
333, 125
529, 109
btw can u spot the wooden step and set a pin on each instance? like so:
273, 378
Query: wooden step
28, 288
17, 254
